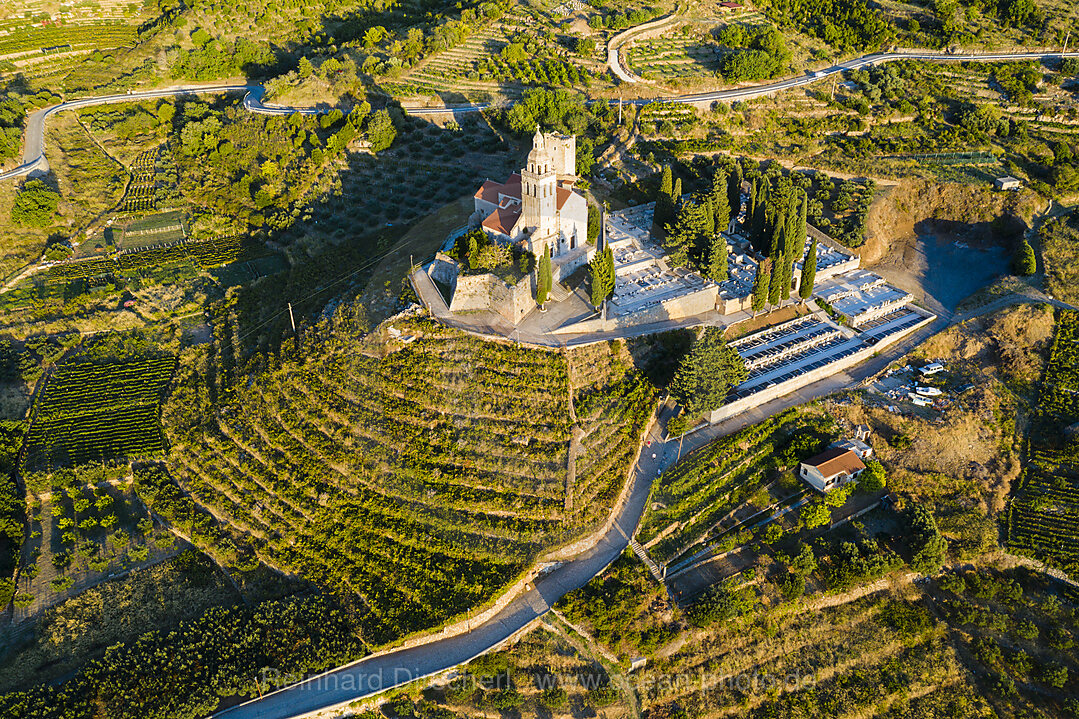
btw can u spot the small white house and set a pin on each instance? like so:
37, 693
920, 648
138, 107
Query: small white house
830, 469
1007, 183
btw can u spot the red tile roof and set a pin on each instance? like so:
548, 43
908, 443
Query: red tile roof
836, 461
502, 220
563, 196
491, 190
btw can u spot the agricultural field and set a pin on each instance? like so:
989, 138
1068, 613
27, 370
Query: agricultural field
445, 457
1040, 518
608, 397
93, 409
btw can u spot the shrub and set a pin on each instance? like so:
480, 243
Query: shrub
35, 205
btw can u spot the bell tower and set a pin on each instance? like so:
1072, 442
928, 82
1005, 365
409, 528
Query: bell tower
539, 182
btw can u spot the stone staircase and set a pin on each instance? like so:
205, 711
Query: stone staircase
643, 556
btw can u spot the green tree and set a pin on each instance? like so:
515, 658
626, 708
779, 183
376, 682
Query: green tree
601, 274
594, 219
815, 514
1025, 263
543, 278
874, 478
927, 544
304, 68
664, 212
734, 189
760, 285
721, 206
809, 272
35, 205
683, 236
514, 53
381, 131
717, 259
706, 373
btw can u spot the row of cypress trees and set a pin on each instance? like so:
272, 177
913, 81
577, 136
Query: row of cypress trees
777, 230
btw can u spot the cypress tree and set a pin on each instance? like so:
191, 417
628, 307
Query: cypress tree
759, 230
543, 279
751, 205
597, 270
1024, 262
734, 189
664, 209
676, 197
717, 259
608, 269
708, 221
809, 273
721, 207
760, 284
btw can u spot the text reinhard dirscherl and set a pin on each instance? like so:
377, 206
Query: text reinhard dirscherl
361, 684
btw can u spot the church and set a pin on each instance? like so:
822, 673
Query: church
538, 208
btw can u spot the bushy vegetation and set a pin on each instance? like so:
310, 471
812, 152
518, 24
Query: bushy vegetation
619, 608
844, 24
35, 205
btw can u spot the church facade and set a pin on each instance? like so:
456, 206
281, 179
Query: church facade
538, 207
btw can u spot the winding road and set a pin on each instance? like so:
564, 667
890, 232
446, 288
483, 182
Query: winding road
34, 160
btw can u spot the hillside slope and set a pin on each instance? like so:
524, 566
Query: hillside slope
422, 477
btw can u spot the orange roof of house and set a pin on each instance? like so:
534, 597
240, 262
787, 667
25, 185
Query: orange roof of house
502, 220
836, 461
490, 190
563, 196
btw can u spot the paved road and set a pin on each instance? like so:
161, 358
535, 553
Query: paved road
381, 672
34, 138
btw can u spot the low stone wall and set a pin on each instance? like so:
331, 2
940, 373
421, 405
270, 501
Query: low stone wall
795, 383
490, 294
675, 308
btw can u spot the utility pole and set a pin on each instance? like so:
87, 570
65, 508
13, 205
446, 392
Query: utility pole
291, 318
1066, 38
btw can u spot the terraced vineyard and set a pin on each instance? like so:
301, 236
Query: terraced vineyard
93, 411
1043, 518
61, 38
140, 191
423, 477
